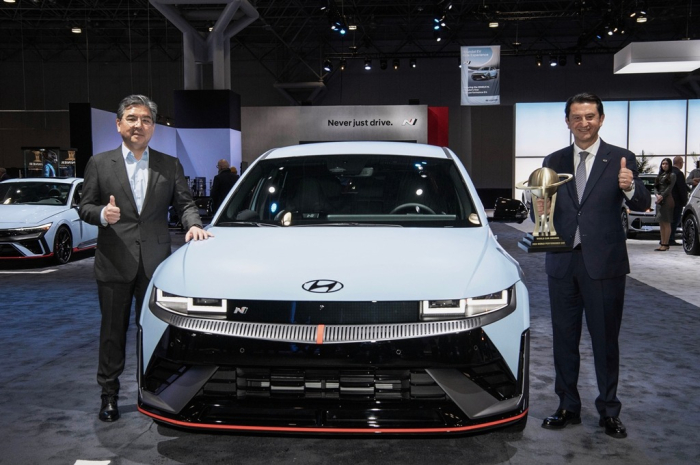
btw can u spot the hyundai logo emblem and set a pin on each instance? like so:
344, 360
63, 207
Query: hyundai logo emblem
322, 286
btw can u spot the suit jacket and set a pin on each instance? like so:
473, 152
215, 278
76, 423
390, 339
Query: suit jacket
223, 183
680, 189
119, 245
598, 214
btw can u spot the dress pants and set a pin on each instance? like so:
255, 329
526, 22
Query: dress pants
115, 305
603, 300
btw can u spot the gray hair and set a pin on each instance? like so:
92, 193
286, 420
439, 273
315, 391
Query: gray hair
137, 99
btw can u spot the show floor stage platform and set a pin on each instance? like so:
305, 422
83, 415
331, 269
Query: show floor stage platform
50, 397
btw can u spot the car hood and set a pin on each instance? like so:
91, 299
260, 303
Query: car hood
17, 216
371, 263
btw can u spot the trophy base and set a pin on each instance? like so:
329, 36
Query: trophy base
531, 243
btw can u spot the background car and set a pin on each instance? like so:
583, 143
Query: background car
485, 73
691, 224
350, 287
39, 219
643, 222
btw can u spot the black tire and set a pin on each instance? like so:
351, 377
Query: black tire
625, 222
691, 237
62, 246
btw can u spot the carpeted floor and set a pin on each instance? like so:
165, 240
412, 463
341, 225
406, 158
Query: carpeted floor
50, 398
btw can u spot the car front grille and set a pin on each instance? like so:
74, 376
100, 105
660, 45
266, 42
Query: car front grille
321, 334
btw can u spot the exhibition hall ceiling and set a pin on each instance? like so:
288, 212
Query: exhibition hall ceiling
291, 37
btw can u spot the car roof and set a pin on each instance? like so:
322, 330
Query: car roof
359, 148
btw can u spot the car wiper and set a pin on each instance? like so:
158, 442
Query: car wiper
246, 223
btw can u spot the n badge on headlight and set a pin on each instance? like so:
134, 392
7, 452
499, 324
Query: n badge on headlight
322, 286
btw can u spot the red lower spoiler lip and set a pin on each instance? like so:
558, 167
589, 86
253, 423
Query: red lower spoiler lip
293, 429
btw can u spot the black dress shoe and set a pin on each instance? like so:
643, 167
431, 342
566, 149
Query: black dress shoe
561, 418
613, 427
109, 410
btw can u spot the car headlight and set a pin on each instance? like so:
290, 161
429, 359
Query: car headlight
450, 309
23, 234
191, 306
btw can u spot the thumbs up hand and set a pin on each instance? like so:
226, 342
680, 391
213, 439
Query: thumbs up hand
625, 177
112, 213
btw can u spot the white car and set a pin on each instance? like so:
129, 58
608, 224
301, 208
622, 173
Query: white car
39, 219
350, 287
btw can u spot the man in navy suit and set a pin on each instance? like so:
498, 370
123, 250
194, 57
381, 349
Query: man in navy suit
126, 193
592, 275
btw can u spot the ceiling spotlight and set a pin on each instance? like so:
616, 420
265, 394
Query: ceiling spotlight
9, 1
352, 27
368, 64
539, 60
493, 24
327, 66
639, 13
577, 58
343, 64
562, 60
397, 63
76, 30
412, 62
553, 61
382, 64
437, 36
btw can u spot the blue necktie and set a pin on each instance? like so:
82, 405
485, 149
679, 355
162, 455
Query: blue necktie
580, 187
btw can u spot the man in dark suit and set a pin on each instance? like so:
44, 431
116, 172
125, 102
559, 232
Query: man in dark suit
592, 275
223, 182
126, 193
680, 197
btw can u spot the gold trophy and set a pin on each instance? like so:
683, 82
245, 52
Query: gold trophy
543, 184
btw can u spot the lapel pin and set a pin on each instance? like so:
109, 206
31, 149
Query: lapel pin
605, 160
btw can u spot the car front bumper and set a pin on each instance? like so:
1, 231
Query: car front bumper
452, 382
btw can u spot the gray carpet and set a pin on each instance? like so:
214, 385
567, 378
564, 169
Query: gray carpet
50, 398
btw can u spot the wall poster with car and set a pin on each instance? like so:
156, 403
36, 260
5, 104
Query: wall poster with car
481, 75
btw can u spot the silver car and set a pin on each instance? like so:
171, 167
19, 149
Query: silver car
691, 224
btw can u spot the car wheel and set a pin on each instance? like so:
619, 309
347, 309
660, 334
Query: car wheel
625, 222
62, 246
691, 240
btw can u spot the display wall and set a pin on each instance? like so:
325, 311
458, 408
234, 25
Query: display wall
264, 128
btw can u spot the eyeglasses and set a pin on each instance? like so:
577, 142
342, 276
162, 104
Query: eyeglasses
132, 120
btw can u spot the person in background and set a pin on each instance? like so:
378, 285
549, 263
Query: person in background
591, 276
680, 197
223, 182
665, 204
126, 193
694, 176
3, 174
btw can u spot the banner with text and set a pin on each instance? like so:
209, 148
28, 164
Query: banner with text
481, 72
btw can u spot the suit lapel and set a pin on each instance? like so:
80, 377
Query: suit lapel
155, 167
600, 163
119, 169
566, 166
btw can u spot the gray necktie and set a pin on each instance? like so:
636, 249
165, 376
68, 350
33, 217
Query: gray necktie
580, 187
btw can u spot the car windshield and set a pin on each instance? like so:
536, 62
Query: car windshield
34, 193
351, 190
648, 182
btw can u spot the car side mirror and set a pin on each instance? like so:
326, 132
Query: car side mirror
509, 211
